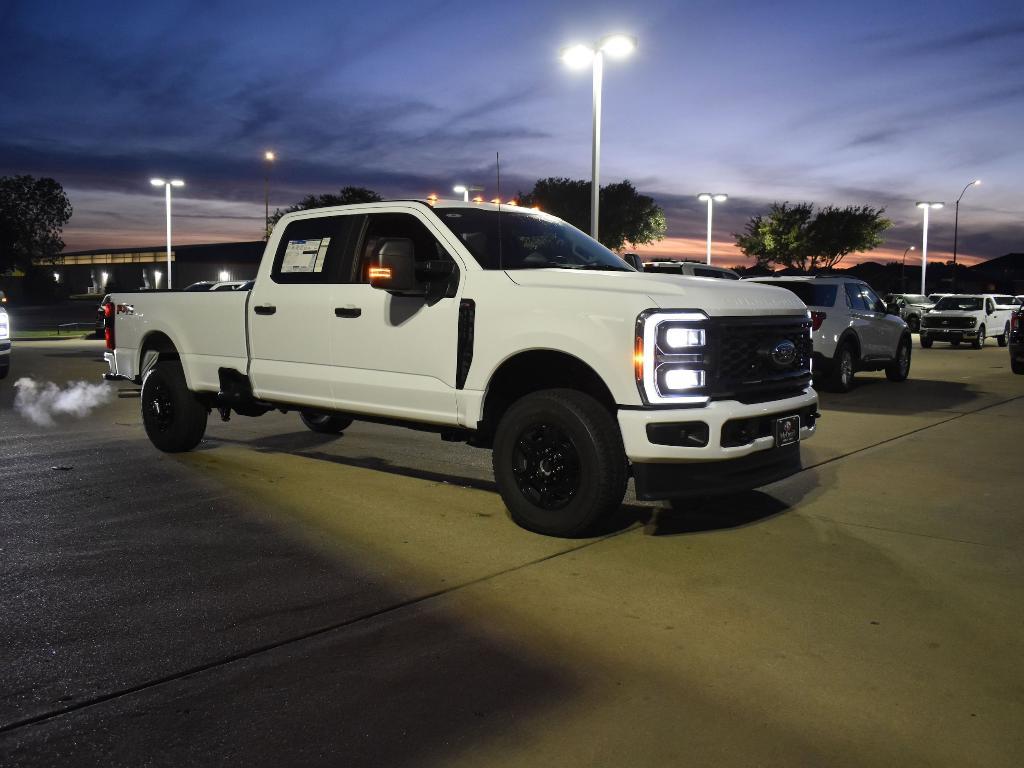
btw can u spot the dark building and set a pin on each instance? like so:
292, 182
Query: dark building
129, 269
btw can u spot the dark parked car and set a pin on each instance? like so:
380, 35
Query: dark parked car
1017, 341
910, 306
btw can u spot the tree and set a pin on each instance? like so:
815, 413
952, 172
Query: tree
33, 211
795, 236
626, 217
345, 196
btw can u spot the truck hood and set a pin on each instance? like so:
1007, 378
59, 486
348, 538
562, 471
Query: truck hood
714, 296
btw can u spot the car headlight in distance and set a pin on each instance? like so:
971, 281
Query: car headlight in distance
669, 358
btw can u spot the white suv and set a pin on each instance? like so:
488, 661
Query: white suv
851, 329
5, 343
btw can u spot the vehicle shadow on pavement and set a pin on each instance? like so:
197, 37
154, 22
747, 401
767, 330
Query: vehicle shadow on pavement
909, 397
715, 514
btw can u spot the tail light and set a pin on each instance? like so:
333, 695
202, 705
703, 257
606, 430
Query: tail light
817, 318
108, 324
1015, 321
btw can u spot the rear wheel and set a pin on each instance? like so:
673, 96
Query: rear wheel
914, 323
1001, 339
559, 462
899, 369
841, 376
174, 419
979, 341
325, 423
1017, 366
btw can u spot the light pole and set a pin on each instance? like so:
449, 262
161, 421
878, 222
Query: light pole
925, 206
464, 190
956, 227
711, 198
578, 57
268, 157
167, 194
903, 268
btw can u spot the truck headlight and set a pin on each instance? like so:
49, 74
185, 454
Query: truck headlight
670, 357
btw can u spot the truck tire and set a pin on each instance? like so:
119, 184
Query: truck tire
174, 419
325, 423
559, 462
1001, 339
926, 343
899, 368
1016, 365
840, 378
914, 323
979, 340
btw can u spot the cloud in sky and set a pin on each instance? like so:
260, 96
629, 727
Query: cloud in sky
831, 103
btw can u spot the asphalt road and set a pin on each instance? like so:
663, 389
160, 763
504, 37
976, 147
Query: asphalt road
280, 598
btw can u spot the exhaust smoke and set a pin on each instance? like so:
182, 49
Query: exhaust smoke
40, 402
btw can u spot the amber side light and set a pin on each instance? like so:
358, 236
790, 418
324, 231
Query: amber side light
638, 358
380, 273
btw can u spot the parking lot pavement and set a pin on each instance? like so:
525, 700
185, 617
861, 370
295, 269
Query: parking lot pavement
276, 597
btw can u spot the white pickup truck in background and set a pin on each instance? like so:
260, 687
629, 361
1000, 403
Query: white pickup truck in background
968, 317
503, 327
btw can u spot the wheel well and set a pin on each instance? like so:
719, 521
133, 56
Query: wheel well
533, 371
161, 343
852, 340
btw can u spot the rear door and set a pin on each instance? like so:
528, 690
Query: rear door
291, 311
395, 356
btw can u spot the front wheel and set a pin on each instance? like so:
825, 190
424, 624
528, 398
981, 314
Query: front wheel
914, 323
325, 423
1001, 340
174, 419
899, 368
979, 341
926, 343
559, 462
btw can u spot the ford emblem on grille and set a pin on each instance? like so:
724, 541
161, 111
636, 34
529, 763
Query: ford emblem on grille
783, 354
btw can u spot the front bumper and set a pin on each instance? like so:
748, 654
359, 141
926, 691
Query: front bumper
945, 334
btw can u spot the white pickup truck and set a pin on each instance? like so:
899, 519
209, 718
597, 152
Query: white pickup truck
968, 317
503, 327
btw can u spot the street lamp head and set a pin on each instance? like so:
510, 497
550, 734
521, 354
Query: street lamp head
929, 205
704, 196
460, 188
157, 182
177, 183
269, 156
617, 46
913, 247
577, 56
976, 182
721, 198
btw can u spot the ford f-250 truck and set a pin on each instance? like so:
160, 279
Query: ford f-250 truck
501, 326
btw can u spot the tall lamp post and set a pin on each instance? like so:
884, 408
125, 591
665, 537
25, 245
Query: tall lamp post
579, 56
903, 268
711, 198
956, 226
464, 190
268, 157
167, 196
925, 206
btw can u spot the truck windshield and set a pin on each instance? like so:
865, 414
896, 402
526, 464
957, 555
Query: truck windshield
961, 303
528, 241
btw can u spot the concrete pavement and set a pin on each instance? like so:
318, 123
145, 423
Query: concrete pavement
278, 597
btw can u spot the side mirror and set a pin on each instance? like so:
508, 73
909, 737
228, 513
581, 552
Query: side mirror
634, 260
395, 268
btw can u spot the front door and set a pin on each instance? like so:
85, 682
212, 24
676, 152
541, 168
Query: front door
395, 356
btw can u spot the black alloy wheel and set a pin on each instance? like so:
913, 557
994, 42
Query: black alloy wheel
174, 419
546, 466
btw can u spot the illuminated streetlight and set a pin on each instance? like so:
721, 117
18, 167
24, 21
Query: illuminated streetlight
465, 190
580, 56
956, 226
925, 206
224, 276
167, 194
711, 198
157, 274
268, 157
903, 267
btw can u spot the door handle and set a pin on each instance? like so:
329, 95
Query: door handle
347, 311
264, 309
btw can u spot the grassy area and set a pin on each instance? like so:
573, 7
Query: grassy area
48, 334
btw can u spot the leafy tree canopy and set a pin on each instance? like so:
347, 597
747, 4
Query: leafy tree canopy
626, 216
796, 236
345, 196
33, 211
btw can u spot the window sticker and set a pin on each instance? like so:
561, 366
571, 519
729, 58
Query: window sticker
305, 255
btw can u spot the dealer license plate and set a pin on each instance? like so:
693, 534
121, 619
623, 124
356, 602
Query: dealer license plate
787, 430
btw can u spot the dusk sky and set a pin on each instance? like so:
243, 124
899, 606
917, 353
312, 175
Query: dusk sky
868, 103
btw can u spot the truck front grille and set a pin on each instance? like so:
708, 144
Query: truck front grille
940, 323
742, 361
